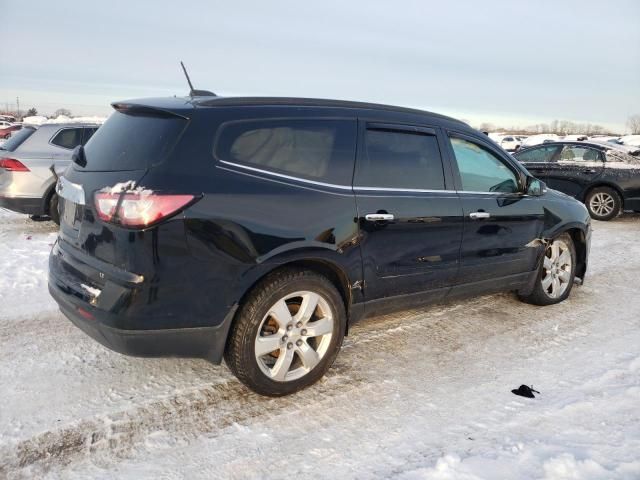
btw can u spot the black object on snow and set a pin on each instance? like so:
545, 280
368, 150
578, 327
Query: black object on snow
525, 391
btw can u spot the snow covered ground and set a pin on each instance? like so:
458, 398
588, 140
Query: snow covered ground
424, 394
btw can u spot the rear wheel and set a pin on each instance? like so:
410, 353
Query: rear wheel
557, 273
287, 334
603, 203
54, 211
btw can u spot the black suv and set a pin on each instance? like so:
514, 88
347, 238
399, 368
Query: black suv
604, 177
259, 229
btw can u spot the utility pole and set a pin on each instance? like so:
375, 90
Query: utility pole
18, 103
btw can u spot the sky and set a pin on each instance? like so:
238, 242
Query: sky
510, 63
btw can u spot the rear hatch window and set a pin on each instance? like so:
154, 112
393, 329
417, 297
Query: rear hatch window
17, 139
132, 140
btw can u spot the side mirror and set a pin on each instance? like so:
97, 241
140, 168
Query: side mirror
535, 187
78, 156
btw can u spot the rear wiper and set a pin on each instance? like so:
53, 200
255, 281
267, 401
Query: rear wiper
78, 157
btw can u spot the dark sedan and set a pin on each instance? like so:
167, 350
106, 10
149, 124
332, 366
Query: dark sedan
605, 178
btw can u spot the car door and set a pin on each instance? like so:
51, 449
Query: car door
574, 168
410, 218
537, 159
501, 222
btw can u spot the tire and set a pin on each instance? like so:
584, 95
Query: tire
554, 267
603, 203
54, 211
275, 311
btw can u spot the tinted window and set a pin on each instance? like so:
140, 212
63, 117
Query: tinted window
580, 154
541, 154
88, 133
133, 141
321, 150
480, 170
17, 139
398, 159
68, 138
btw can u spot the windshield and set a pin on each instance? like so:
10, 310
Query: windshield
132, 141
17, 138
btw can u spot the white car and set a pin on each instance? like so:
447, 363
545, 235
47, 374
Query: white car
510, 143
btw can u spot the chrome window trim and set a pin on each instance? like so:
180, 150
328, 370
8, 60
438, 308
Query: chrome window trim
288, 177
409, 190
358, 188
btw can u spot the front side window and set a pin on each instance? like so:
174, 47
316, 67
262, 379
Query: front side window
399, 159
580, 154
536, 155
68, 138
319, 149
480, 170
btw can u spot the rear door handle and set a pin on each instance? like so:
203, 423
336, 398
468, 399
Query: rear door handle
478, 215
377, 217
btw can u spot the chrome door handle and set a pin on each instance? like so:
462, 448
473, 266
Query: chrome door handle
590, 170
477, 215
377, 217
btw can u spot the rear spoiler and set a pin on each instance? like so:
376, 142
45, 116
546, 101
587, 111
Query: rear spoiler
138, 109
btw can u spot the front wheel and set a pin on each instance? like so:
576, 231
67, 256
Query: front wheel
556, 274
287, 334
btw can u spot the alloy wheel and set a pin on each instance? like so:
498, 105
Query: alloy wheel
294, 336
557, 268
602, 204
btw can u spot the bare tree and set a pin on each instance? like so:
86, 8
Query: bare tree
62, 111
633, 122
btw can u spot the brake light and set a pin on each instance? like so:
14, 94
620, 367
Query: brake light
12, 165
139, 210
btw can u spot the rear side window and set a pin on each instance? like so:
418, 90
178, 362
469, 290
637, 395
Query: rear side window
17, 139
318, 149
537, 155
133, 141
88, 133
68, 138
400, 159
580, 154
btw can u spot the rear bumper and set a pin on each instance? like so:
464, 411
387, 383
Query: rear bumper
102, 320
30, 206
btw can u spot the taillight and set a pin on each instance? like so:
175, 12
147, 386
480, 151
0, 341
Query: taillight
12, 165
138, 209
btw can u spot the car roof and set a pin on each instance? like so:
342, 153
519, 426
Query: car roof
598, 146
184, 104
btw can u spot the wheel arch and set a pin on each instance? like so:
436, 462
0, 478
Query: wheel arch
580, 243
323, 266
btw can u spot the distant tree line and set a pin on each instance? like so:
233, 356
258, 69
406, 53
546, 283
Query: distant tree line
563, 127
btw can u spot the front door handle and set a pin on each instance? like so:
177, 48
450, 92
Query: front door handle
378, 217
478, 215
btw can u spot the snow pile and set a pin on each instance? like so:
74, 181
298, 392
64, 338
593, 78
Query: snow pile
40, 120
633, 140
538, 139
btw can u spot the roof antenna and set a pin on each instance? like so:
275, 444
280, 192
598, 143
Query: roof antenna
193, 92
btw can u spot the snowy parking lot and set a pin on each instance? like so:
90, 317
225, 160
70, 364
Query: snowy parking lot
422, 394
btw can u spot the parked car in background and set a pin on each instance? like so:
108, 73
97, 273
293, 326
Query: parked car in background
604, 177
26, 180
258, 229
510, 143
7, 131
